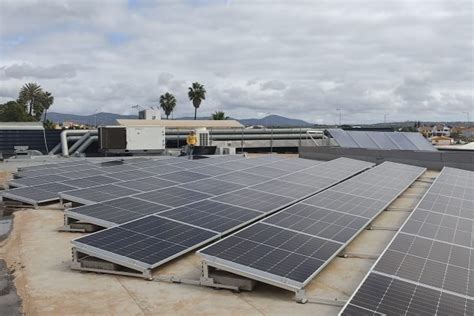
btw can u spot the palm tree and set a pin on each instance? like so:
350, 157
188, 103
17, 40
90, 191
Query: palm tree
167, 103
196, 93
30, 95
219, 115
47, 124
47, 100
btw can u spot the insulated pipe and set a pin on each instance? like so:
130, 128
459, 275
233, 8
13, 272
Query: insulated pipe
64, 134
86, 144
58, 146
79, 142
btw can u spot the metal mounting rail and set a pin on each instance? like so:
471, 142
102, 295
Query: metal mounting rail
359, 255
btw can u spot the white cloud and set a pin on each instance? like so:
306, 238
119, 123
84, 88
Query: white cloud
303, 59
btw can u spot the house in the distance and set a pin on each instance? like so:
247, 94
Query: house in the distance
442, 140
441, 130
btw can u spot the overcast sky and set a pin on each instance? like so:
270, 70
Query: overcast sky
411, 60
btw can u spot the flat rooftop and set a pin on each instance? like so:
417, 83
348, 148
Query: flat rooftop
40, 257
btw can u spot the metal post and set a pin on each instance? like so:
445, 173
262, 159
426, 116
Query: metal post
300, 138
177, 146
242, 142
210, 137
271, 141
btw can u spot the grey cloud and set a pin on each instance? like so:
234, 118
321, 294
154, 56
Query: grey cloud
410, 59
273, 85
20, 71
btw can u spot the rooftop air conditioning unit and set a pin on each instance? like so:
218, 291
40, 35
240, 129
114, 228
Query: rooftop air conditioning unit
121, 139
202, 137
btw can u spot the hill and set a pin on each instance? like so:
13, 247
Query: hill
104, 118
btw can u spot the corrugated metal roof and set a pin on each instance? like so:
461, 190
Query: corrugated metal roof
183, 123
21, 125
381, 140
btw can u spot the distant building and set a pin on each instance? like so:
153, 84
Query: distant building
73, 125
425, 131
441, 130
467, 132
442, 140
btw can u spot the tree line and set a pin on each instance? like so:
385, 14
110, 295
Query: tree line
31, 105
196, 94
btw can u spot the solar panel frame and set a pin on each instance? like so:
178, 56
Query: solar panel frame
96, 194
136, 264
277, 280
32, 181
147, 184
193, 214
183, 176
173, 196
91, 181
38, 194
94, 213
436, 288
95, 253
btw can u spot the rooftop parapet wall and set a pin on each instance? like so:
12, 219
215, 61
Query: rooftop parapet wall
430, 160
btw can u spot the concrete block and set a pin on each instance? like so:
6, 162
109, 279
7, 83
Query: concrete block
98, 264
226, 278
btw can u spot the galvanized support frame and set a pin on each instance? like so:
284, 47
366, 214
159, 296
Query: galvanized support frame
76, 265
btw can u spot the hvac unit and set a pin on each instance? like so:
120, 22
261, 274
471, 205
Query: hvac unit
132, 138
202, 137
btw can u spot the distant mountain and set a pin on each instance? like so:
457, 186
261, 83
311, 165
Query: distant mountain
104, 118
276, 120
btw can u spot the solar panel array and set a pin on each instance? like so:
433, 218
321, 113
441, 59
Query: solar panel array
428, 268
381, 140
201, 211
32, 185
289, 248
167, 190
88, 182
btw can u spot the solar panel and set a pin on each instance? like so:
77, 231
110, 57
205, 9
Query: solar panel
130, 175
212, 215
212, 171
28, 182
268, 171
183, 176
244, 178
291, 165
329, 219
37, 194
173, 196
83, 173
92, 181
428, 266
114, 212
291, 190
212, 186
97, 194
255, 200
147, 184
204, 211
36, 173
189, 164
236, 165
381, 140
145, 243
119, 168
163, 169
